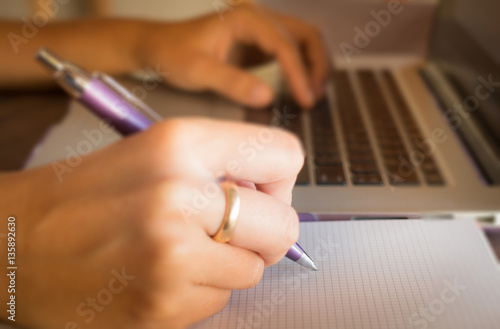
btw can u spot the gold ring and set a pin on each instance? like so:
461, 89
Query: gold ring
226, 229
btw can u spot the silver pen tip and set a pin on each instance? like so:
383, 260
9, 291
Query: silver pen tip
307, 262
50, 60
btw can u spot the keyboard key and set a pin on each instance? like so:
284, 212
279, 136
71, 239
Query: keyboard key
328, 160
429, 165
330, 175
396, 178
434, 178
367, 179
326, 150
358, 147
361, 158
370, 167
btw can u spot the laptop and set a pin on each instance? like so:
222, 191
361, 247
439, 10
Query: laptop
409, 127
402, 134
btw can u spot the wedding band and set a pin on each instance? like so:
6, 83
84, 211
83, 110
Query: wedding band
226, 230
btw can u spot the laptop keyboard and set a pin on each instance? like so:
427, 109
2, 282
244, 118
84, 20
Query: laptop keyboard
362, 164
430, 170
357, 165
389, 140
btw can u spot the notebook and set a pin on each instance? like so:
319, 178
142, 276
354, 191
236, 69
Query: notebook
376, 274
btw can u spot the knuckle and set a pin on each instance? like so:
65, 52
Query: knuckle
171, 142
160, 228
163, 200
170, 135
192, 73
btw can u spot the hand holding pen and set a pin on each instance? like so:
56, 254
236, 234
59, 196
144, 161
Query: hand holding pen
110, 101
106, 98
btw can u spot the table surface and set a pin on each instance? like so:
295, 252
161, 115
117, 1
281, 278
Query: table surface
26, 117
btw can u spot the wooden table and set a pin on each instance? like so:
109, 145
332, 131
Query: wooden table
24, 120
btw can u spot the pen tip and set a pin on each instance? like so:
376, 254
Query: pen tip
314, 267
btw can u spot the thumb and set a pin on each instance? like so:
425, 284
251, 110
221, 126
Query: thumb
233, 83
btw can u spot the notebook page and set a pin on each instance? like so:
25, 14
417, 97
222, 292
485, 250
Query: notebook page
376, 274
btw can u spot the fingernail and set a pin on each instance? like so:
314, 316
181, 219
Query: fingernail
260, 94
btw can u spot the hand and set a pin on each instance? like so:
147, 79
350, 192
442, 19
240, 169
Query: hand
195, 54
114, 245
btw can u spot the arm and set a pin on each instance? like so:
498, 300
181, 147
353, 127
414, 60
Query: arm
98, 44
195, 53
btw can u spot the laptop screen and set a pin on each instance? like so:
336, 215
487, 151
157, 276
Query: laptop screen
466, 47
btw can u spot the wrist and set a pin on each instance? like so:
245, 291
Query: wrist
146, 44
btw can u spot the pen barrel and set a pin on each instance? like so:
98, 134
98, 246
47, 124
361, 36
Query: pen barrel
295, 252
109, 104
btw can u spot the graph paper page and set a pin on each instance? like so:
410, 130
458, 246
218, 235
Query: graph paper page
376, 274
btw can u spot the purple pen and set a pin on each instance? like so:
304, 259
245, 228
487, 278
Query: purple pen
110, 101
101, 94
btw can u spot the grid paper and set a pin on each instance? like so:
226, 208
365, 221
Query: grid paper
376, 274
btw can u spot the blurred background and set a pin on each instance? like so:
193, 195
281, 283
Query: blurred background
336, 18
70, 9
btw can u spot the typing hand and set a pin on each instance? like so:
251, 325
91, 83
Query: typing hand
124, 240
195, 54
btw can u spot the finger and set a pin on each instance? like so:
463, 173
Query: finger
224, 266
250, 26
265, 225
233, 83
268, 157
314, 47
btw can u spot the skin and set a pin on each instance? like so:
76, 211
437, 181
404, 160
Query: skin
195, 53
121, 210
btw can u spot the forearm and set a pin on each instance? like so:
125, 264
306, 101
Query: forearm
98, 44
